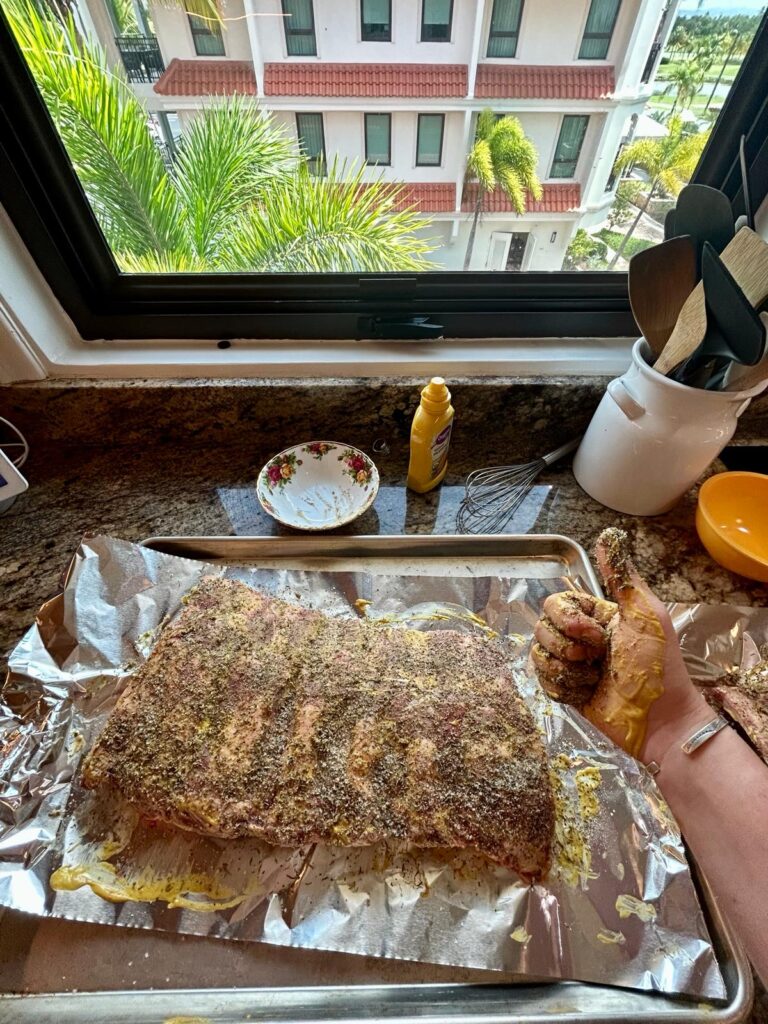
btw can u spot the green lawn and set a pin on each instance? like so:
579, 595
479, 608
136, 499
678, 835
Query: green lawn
728, 75
613, 239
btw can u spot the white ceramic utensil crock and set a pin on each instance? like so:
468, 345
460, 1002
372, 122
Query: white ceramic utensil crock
651, 438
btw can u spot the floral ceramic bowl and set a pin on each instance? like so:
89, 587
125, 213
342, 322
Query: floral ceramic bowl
317, 486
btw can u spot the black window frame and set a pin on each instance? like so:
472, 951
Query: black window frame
608, 36
584, 118
368, 37
378, 113
447, 37
291, 33
504, 35
317, 164
46, 204
430, 163
209, 30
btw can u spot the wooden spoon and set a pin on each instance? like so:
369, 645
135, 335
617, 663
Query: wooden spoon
660, 280
746, 256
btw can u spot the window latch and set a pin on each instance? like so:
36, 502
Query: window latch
399, 328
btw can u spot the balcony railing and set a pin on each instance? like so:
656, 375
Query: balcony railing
141, 57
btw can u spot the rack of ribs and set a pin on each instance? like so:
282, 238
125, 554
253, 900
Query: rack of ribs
254, 717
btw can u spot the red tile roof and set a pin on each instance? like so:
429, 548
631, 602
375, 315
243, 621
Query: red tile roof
429, 197
542, 81
556, 199
322, 79
207, 77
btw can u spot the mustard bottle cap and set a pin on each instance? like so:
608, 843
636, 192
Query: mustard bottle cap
436, 391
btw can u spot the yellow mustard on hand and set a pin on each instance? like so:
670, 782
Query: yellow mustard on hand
430, 437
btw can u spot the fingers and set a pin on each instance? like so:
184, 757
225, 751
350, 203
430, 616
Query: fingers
580, 616
562, 646
566, 682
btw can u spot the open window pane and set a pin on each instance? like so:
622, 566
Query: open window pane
197, 168
309, 129
429, 143
378, 138
505, 28
376, 17
299, 28
436, 18
599, 29
206, 29
569, 145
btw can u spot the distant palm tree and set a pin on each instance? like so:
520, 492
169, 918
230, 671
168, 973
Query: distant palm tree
235, 198
502, 156
686, 78
669, 163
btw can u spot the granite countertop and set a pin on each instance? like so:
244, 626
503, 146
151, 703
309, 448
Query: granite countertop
173, 490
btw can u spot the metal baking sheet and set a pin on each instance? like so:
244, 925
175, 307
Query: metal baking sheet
369, 988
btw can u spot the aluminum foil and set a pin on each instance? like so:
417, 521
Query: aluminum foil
619, 906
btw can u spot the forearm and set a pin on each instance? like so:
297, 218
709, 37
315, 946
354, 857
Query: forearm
719, 796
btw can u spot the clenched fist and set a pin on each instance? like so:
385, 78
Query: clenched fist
618, 661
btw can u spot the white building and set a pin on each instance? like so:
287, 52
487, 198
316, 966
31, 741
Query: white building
399, 83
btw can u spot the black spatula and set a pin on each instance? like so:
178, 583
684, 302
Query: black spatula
705, 214
735, 332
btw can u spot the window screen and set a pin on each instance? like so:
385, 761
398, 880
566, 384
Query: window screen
309, 128
505, 28
377, 138
206, 31
599, 29
429, 143
436, 18
299, 28
376, 20
569, 143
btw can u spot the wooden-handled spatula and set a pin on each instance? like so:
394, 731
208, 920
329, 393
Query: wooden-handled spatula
746, 256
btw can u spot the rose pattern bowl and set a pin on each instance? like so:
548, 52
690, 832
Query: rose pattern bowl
317, 486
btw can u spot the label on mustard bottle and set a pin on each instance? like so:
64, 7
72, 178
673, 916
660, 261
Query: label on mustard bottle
440, 449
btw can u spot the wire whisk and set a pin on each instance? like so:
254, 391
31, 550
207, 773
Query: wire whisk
493, 495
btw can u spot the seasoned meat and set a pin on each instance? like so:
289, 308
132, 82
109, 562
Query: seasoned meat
253, 717
744, 696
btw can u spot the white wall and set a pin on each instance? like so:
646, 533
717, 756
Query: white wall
175, 36
337, 29
540, 254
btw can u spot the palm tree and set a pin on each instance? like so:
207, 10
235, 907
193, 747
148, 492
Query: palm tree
235, 198
502, 156
686, 78
669, 163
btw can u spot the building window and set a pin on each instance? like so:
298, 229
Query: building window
569, 144
376, 21
599, 29
429, 140
436, 18
309, 128
378, 139
206, 30
299, 21
505, 28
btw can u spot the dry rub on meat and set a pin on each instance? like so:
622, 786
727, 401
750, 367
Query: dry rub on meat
253, 717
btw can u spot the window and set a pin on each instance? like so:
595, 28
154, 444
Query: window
599, 29
206, 30
505, 28
309, 128
436, 17
299, 21
569, 144
136, 243
376, 21
429, 140
378, 139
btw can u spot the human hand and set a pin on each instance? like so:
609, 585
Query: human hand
619, 662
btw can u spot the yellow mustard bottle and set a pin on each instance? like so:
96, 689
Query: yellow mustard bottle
430, 437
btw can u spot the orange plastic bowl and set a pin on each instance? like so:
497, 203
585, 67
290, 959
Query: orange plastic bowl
732, 522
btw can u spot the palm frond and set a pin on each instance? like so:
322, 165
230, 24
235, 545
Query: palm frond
513, 187
480, 165
225, 159
334, 224
104, 129
486, 122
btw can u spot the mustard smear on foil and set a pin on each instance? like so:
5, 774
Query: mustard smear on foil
572, 856
627, 905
